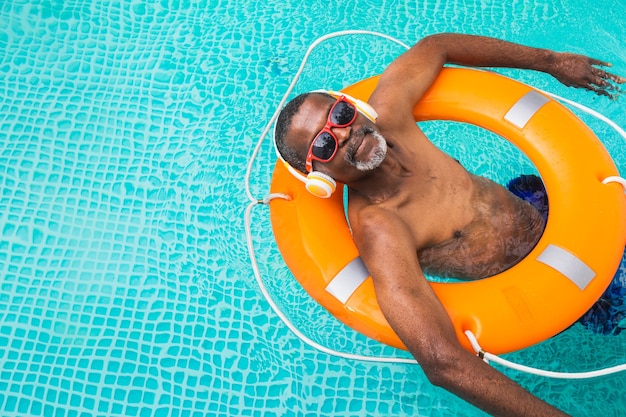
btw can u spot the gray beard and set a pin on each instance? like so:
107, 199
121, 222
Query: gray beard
377, 158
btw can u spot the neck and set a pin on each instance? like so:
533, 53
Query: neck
383, 182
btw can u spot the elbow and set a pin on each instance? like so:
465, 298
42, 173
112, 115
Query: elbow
438, 46
432, 41
438, 40
444, 368
440, 377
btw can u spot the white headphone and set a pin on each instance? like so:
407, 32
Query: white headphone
318, 183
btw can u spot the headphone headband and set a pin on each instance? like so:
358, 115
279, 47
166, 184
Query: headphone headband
364, 108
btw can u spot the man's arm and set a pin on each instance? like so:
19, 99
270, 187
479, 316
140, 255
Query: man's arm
410, 75
420, 320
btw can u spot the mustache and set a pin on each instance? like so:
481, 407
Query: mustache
351, 147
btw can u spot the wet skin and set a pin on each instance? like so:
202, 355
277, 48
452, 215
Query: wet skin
420, 211
462, 225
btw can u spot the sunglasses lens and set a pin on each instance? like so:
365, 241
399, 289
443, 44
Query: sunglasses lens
324, 146
343, 113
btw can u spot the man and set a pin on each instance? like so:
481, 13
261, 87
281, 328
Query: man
414, 209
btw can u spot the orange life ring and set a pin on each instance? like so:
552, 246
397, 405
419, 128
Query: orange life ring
557, 282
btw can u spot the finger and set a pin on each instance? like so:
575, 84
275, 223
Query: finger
600, 77
599, 90
615, 78
602, 92
601, 82
603, 87
594, 61
608, 76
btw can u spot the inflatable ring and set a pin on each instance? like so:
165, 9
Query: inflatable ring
555, 284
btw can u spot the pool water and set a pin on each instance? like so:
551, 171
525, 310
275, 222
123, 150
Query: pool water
125, 130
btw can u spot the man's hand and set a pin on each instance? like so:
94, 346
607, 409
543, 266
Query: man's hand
581, 71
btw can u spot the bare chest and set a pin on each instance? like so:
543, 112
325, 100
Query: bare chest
494, 232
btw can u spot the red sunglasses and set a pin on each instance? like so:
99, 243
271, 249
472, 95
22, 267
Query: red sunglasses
325, 145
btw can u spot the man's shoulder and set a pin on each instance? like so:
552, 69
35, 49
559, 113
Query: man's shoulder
366, 216
393, 105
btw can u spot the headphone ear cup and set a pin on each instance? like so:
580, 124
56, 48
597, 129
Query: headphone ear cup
320, 185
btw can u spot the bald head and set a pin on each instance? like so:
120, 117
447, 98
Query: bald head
283, 124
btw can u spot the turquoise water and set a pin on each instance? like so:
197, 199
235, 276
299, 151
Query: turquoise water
125, 130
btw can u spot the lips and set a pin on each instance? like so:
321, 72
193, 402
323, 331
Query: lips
356, 142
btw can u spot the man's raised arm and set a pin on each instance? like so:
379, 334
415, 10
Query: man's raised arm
410, 75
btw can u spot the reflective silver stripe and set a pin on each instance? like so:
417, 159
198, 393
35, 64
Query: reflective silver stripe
525, 108
345, 283
567, 264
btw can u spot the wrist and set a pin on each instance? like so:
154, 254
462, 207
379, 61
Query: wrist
548, 61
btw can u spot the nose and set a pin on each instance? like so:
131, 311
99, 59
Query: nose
342, 134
